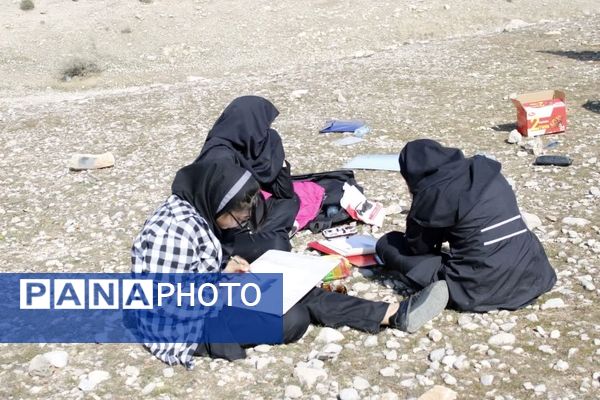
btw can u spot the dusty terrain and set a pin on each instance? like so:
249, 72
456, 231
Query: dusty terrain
160, 74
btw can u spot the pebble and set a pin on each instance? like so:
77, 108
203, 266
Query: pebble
371, 341
439, 392
58, 358
435, 335
515, 24
389, 396
293, 392
309, 376
262, 348
502, 339
168, 372
561, 366
149, 388
387, 371
575, 221
392, 344
437, 354
555, 334
330, 351
514, 137
556, 302
486, 380
594, 191
130, 370
298, 94
360, 383
546, 349
392, 355
349, 394
531, 220
92, 380
39, 366
329, 335
450, 380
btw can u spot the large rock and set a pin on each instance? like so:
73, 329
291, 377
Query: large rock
575, 221
556, 302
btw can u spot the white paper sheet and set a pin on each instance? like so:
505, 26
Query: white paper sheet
300, 272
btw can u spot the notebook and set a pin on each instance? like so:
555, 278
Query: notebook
300, 272
351, 245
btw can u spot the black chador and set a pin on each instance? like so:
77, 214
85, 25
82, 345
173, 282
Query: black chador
243, 135
494, 261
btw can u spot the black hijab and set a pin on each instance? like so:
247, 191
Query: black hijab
212, 188
245, 129
445, 185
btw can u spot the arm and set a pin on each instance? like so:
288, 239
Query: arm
282, 187
423, 240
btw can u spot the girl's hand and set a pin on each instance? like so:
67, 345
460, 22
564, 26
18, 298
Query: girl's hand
236, 265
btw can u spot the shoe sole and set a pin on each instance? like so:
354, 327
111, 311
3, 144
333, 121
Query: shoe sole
436, 300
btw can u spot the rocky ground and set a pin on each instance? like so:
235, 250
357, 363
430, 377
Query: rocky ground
158, 75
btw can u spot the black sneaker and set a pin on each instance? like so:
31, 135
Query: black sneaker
421, 307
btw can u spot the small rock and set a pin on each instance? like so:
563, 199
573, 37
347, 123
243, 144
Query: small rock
514, 137
168, 372
575, 221
555, 334
531, 220
130, 370
39, 366
439, 393
546, 349
293, 392
486, 380
349, 394
58, 358
561, 366
149, 388
435, 335
262, 348
360, 383
298, 94
331, 350
387, 371
539, 389
371, 341
515, 24
502, 339
437, 354
329, 335
450, 380
392, 355
389, 396
309, 376
594, 191
92, 380
553, 303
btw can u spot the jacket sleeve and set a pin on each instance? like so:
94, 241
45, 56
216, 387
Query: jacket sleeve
282, 187
423, 240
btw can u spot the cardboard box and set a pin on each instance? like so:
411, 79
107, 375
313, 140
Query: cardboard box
541, 113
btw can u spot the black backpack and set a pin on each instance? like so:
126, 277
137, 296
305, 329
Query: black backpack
331, 212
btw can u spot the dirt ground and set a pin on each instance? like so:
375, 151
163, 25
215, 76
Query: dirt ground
155, 76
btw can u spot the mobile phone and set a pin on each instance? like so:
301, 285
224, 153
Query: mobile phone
338, 231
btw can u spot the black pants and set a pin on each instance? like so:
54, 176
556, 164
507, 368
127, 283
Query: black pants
272, 234
319, 307
417, 271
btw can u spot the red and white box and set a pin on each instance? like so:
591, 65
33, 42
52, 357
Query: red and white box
541, 113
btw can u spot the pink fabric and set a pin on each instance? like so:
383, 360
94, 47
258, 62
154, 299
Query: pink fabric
311, 197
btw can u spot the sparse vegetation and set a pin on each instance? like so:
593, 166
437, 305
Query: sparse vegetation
26, 5
80, 68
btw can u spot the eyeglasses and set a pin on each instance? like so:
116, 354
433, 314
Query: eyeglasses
244, 226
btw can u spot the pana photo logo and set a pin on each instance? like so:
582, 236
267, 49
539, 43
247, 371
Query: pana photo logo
133, 294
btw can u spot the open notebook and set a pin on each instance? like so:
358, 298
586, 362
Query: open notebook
300, 272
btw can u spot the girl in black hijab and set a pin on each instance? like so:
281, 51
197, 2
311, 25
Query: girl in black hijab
494, 261
183, 236
243, 136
